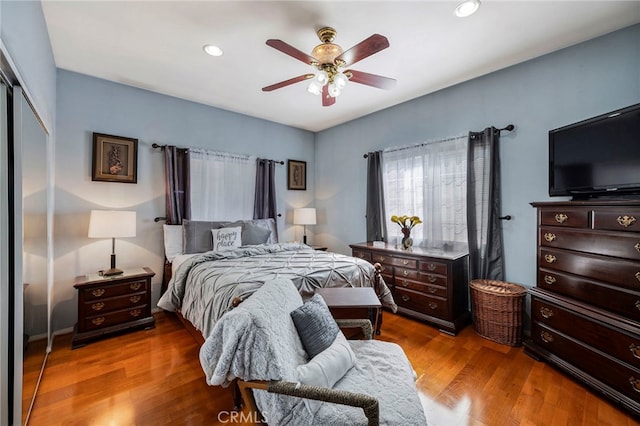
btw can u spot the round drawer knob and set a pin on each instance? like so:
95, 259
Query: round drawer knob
406, 298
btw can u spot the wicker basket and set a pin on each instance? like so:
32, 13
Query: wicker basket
497, 308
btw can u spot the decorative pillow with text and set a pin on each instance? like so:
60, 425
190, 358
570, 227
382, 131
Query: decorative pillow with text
226, 238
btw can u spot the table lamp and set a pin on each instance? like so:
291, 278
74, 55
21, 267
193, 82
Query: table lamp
112, 224
304, 216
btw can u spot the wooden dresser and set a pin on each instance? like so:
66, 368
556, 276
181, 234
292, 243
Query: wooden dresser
585, 308
429, 285
108, 305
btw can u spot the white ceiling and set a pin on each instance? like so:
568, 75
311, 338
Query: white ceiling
157, 45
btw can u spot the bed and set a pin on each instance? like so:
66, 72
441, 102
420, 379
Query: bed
206, 280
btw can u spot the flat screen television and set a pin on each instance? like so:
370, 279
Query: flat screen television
597, 157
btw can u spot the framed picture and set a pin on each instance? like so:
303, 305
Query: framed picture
115, 159
297, 175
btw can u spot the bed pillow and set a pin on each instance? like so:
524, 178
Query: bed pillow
226, 238
196, 237
326, 368
172, 241
253, 234
316, 327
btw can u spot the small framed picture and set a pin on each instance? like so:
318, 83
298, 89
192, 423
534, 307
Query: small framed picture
297, 175
114, 159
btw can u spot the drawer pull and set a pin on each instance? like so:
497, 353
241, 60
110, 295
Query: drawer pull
546, 337
546, 312
550, 258
637, 247
98, 292
135, 313
404, 283
97, 321
405, 273
405, 262
549, 279
561, 218
635, 350
635, 383
433, 305
626, 221
97, 306
431, 267
549, 236
380, 258
135, 299
432, 279
135, 286
638, 304
432, 290
637, 276
405, 298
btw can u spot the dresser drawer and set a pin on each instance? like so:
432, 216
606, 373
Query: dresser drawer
405, 273
113, 318
612, 298
617, 375
571, 218
419, 302
626, 245
433, 267
421, 287
624, 273
619, 219
366, 255
111, 290
115, 303
620, 345
395, 261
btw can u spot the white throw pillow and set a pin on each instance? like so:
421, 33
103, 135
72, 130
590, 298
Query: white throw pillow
172, 241
227, 238
326, 368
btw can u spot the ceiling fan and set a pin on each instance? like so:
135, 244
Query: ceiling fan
329, 59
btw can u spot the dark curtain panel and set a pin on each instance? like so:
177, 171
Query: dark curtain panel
484, 205
376, 225
177, 184
264, 205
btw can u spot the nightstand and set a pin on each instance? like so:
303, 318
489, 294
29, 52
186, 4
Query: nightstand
319, 248
109, 305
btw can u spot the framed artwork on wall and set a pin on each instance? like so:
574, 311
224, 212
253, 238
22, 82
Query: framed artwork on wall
114, 159
297, 175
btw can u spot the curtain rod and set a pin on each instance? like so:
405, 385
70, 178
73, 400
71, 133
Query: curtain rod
161, 147
508, 128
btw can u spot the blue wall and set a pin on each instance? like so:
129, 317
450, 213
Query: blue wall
542, 94
86, 105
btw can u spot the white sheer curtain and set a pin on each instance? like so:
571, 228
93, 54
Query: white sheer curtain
222, 185
428, 181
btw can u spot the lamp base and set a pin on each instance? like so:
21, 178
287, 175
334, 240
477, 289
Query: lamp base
112, 271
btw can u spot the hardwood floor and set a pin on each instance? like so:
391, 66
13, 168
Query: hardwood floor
153, 377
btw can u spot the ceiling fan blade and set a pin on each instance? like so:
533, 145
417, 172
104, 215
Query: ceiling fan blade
291, 51
365, 48
371, 79
327, 100
287, 82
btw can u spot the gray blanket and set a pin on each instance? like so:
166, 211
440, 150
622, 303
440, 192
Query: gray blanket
204, 286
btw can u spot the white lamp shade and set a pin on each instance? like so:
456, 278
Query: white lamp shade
305, 216
112, 224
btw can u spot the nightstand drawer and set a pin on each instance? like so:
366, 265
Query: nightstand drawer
113, 318
116, 303
111, 290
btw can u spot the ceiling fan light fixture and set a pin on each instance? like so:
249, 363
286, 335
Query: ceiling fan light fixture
340, 80
467, 8
334, 90
322, 77
314, 87
326, 53
212, 50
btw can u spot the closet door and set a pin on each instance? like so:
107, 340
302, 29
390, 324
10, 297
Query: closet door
5, 349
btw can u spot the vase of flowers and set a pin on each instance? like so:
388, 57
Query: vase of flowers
406, 224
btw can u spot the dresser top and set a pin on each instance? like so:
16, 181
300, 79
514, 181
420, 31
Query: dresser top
452, 252
588, 203
126, 273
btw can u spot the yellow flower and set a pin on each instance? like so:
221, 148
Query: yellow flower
405, 221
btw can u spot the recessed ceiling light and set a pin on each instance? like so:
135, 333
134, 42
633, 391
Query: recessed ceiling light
467, 8
212, 50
